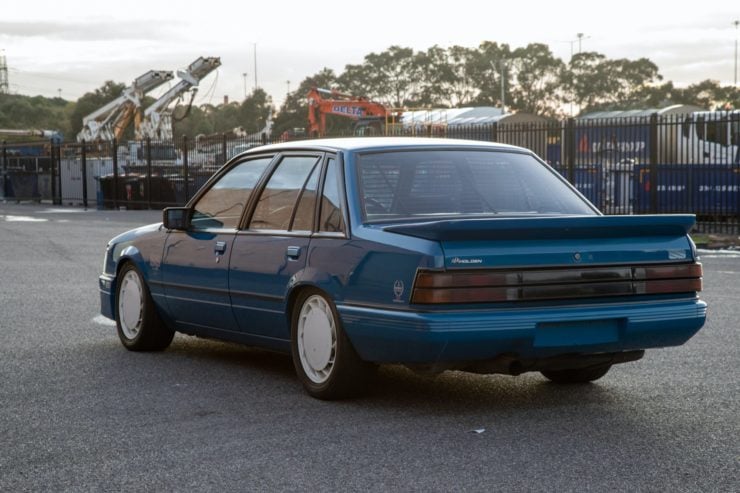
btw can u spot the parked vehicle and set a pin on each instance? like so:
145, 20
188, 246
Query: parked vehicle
438, 254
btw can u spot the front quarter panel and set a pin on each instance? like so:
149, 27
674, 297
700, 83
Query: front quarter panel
143, 246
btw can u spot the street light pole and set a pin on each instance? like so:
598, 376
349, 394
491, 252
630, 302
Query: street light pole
244, 74
503, 81
255, 66
736, 24
581, 37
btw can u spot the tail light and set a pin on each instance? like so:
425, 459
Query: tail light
488, 286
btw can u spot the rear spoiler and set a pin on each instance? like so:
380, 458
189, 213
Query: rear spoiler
548, 228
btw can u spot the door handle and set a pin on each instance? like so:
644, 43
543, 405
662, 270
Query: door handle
293, 252
220, 248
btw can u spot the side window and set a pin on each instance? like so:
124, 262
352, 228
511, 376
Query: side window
331, 216
223, 204
275, 207
303, 217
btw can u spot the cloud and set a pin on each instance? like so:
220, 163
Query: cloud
87, 31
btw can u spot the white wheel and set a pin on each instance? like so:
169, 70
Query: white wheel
324, 359
137, 322
131, 304
317, 339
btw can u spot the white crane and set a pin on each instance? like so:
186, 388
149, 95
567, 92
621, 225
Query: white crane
110, 121
157, 122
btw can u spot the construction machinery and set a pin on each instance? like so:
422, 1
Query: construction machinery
369, 116
157, 121
111, 120
46, 134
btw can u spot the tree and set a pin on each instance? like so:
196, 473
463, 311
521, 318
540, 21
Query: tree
197, 122
586, 80
249, 115
488, 71
294, 111
447, 76
91, 101
37, 112
255, 110
359, 80
709, 94
655, 96
594, 82
537, 75
392, 77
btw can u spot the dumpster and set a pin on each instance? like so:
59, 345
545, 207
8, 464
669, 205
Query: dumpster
22, 185
44, 186
133, 192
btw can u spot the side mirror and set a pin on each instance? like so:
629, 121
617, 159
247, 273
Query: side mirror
176, 218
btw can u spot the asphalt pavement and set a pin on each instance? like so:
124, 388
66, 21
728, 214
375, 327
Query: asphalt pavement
80, 413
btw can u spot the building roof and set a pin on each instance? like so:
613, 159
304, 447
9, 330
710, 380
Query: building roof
641, 113
476, 115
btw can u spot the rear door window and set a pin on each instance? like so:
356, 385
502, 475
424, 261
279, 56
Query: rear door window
277, 202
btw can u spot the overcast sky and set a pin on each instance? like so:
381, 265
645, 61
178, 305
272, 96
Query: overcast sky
77, 45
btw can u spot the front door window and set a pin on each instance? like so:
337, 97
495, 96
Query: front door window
222, 206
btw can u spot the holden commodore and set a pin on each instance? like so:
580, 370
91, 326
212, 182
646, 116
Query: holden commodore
437, 254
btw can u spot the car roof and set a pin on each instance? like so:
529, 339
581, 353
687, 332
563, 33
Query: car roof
382, 143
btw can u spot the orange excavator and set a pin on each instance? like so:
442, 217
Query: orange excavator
370, 117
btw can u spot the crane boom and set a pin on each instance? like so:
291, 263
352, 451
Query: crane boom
110, 120
157, 121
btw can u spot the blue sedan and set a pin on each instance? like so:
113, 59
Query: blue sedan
437, 254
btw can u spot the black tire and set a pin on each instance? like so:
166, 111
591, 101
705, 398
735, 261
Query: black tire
139, 327
325, 361
577, 375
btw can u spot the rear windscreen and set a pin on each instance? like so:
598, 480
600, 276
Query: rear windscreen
455, 182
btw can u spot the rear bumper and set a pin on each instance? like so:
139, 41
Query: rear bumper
457, 336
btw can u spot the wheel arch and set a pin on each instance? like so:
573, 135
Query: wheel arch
293, 294
132, 255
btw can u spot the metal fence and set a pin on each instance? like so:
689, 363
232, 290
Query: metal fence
672, 164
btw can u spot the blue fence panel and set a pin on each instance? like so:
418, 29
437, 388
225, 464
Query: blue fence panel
612, 142
717, 189
589, 181
673, 191
702, 189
